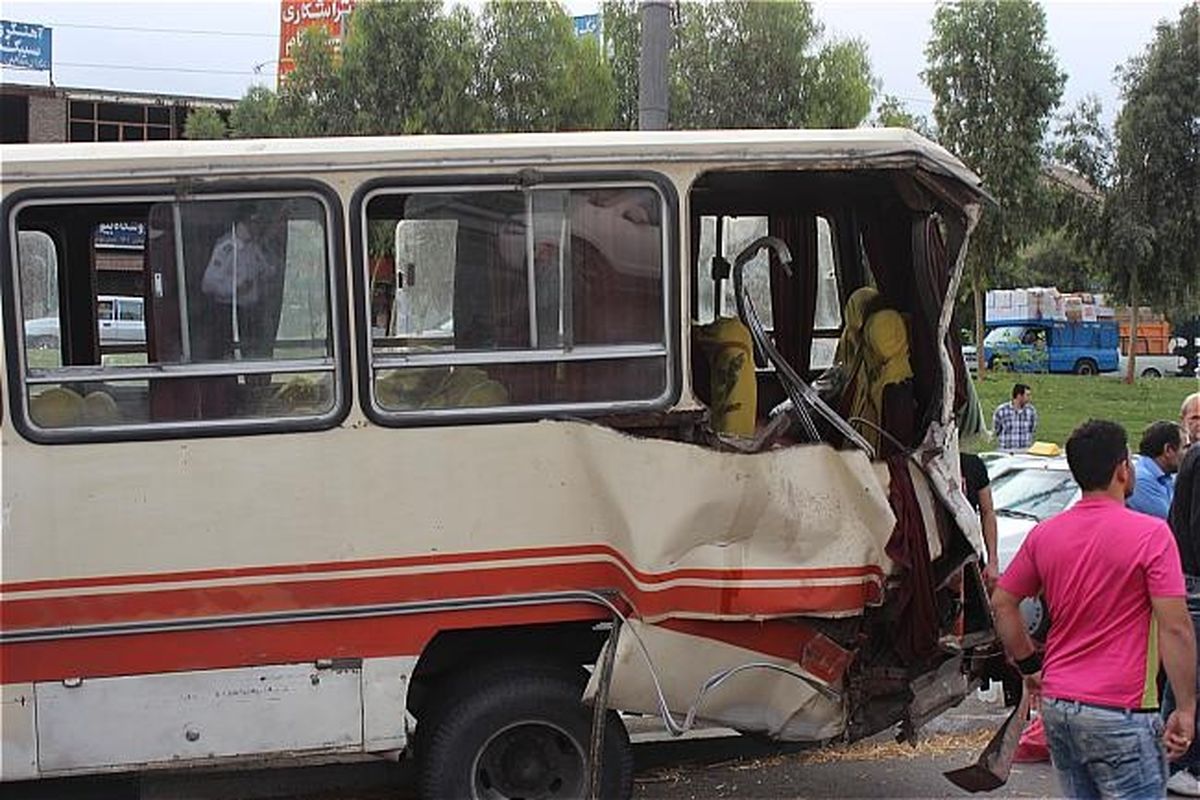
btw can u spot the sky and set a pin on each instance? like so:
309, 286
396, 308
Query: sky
220, 48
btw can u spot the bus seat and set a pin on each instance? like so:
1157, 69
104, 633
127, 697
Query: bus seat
440, 387
56, 407
99, 408
734, 389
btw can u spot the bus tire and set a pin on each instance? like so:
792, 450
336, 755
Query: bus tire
1085, 366
520, 732
1151, 372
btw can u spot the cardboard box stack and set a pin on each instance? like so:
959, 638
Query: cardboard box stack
1041, 303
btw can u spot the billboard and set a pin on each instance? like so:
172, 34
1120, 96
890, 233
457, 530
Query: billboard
24, 45
297, 16
587, 25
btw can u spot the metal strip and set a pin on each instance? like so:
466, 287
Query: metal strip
220, 368
287, 617
185, 332
531, 269
469, 358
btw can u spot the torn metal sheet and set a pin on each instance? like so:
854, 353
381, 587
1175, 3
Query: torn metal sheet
788, 707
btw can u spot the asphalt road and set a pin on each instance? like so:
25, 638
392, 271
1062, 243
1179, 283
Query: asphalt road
711, 766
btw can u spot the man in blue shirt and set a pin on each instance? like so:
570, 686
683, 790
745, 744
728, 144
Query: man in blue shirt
1159, 455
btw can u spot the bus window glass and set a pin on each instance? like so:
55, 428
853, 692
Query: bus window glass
827, 319
487, 281
737, 233
223, 314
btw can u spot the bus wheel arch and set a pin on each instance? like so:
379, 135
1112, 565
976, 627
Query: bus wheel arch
1086, 366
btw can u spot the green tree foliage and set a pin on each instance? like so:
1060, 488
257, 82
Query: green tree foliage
745, 64
383, 63
254, 117
204, 123
995, 83
413, 67
1155, 196
537, 75
622, 48
1144, 228
311, 101
893, 113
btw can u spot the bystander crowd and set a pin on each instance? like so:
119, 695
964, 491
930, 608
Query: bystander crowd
1015, 422
1106, 572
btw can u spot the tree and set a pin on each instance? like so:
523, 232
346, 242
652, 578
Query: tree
1153, 207
311, 101
994, 82
204, 123
622, 48
254, 117
537, 75
893, 113
384, 65
742, 64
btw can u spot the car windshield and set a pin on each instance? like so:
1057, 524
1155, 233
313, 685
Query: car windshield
1007, 335
1039, 493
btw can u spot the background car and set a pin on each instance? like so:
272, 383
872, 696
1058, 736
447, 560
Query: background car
1025, 491
122, 320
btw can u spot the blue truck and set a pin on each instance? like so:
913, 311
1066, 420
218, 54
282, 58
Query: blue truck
1045, 345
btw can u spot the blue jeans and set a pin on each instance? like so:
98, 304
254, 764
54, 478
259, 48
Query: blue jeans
1101, 752
1190, 759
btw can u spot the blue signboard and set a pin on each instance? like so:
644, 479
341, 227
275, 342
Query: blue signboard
24, 45
587, 25
121, 235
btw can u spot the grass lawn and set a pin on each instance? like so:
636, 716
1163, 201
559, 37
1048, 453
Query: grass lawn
1064, 401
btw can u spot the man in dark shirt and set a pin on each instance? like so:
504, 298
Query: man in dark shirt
1184, 520
977, 486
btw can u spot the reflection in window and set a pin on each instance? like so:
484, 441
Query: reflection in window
483, 280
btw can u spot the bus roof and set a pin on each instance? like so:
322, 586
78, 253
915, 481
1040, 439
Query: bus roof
856, 148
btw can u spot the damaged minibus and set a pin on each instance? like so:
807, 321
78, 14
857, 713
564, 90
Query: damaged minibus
433, 445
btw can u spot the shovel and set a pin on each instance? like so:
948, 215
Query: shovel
990, 771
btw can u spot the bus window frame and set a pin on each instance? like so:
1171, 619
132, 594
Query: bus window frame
517, 181
180, 191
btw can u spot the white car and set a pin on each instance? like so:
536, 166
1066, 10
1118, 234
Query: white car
1025, 491
121, 319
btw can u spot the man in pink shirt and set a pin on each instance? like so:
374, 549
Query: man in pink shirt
1112, 581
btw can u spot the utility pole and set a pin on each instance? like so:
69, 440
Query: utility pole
652, 65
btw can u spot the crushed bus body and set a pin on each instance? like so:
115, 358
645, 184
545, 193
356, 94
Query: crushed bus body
438, 444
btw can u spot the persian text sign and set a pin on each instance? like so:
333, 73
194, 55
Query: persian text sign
297, 16
24, 45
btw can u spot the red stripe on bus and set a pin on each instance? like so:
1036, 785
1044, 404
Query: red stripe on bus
439, 559
178, 651
305, 596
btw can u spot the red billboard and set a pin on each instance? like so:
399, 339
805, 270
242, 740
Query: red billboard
296, 16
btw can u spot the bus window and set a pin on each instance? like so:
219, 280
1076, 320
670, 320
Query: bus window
521, 299
223, 314
736, 233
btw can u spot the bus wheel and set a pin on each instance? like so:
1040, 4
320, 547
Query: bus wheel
521, 733
1151, 372
1085, 366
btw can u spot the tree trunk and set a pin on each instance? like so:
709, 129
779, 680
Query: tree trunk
977, 293
1131, 362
